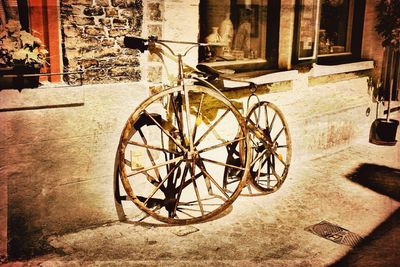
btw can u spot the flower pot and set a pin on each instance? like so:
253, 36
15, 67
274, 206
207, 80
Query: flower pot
14, 77
383, 132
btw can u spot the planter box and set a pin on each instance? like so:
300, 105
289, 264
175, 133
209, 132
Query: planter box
384, 132
18, 77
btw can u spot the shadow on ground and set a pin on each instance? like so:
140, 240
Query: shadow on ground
382, 246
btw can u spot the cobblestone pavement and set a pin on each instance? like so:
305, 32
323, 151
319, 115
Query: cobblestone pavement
266, 230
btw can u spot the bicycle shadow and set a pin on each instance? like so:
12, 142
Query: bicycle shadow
140, 219
382, 246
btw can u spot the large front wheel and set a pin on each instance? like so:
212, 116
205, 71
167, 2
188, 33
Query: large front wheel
172, 154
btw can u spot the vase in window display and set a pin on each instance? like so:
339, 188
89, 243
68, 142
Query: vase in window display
216, 47
214, 37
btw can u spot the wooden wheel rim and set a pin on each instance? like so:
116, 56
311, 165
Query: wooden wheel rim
129, 131
281, 176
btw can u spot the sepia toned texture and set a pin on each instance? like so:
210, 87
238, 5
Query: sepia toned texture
58, 146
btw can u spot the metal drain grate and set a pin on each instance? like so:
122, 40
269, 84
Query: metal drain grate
334, 233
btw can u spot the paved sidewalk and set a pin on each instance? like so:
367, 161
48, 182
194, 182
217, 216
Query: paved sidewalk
356, 188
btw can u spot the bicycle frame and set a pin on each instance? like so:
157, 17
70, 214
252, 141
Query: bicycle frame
268, 143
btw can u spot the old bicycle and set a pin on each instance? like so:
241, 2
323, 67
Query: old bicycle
186, 152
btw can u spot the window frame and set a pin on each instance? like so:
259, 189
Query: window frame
356, 22
271, 46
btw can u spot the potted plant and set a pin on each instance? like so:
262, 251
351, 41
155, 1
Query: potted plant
383, 130
20, 54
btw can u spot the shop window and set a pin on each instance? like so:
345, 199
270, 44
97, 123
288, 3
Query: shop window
242, 34
335, 27
328, 31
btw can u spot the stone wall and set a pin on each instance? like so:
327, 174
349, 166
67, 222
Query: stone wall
93, 32
92, 38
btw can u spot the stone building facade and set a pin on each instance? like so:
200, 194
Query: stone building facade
90, 25
59, 143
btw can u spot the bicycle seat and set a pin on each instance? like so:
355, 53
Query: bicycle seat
209, 71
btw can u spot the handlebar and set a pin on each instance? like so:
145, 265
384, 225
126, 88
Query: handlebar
136, 43
143, 44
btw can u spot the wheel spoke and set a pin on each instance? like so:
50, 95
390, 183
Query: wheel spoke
260, 155
278, 177
178, 117
203, 169
279, 133
186, 213
194, 202
259, 133
188, 182
272, 122
148, 215
192, 171
150, 178
147, 146
263, 161
165, 131
269, 166
181, 186
211, 128
155, 166
203, 212
279, 158
198, 117
254, 144
162, 182
259, 169
128, 162
223, 164
220, 145
150, 155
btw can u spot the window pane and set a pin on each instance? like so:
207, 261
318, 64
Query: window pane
335, 29
235, 29
307, 29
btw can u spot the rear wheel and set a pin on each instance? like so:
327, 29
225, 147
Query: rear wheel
269, 166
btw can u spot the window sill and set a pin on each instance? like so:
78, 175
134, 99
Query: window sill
323, 70
40, 98
334, 54
243, 65
280, 76
235, 63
